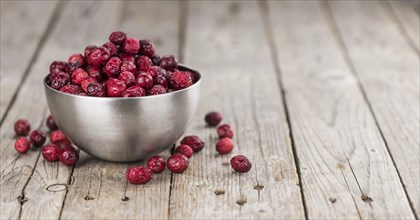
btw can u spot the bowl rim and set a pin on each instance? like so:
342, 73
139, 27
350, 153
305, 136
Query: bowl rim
180, 66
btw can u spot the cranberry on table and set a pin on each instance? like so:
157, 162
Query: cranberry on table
115, 87
131, 46
22, 127
68, 156
76, 61
178, 163
156, 164
112, 67
22, 145
180, 80
117, 37
89, 49
225, 131
224, 146
161, 80
59, 66
111, 48
57, 137
143, 63
194, 142
127, 77
168, 62
96, 89
51, 123
184, 149
213, 118
51, 152
98, 56
59, 79
138, 175
156, 90
144, 80
134, 91
78, 76
240, 164
71, 89
37, 138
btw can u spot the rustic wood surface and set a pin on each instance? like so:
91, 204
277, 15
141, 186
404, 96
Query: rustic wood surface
323, 96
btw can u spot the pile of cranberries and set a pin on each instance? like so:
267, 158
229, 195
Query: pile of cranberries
122, 67
60, 148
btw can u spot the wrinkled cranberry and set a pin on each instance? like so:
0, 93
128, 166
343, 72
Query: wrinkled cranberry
51, 152
240, 164
95, 73
51, 123
143, 63
111, 48
22, 127
157, 90
213, 118
76, 61
96, 89
156, 71
194, 142
68, 156
112, 67
128, 66
98, 56
86, 82
225, 131
134, 91
184, 149
168, 62
138, 175
89, 49
130, 46
180, 80
127, 57
144, 80
156, 60
37, 138
59, 79
147, 48
71, 89
156, 164
127, 77
57, 137
78, 76
177, 163
115, 87
22, 145
117, 37
161, 80
59, 66
224, 146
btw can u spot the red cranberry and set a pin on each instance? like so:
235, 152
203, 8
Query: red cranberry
128, 66
224, 146
240, 164
178, 163
145, 81
111, 48
115, 87
76, 61
156, 164
156, 90
117, 37
112, 67
156, 60
138, 175
98, 56
51, 123
59, 79
37, 138
194, 142
134, 91
156, 71
59, 66
143, 63
161, 80
127, 77
180, 80
86, 82
57, 137
184, 149
147, 48
95, 73
127, 57
225, 131
96, 89
213, 118
71, 89
168, 62
78, 76
22, 127
89, 49
130, 46
68, 156
51, 152
22, 145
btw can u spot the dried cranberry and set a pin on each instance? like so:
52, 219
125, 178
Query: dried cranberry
127, 77
112, 67
225, 131
59, 66
86, 82
180, 80
224, 146
147, 48
22, 127
157, 90
78, 76
134, 91
71, 89
156, 60
145, 81
138, 175
156, 71
51, 123
130, 46
143, 63
59, 79
111, 48
98, 56
115, 87
213, 118
51, 152
76, 61
95, 89
57, 137
156, 164
128, 66
177, 163
117, 37
240, 164
95, 73
127, 57
37, 138
89, 49
22, 145
168, 62
184, 149
194, 142
68, 156
161, 80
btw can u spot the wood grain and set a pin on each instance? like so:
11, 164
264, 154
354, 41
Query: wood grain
100, 185
388, 70
346, 170
19, 42
225, 41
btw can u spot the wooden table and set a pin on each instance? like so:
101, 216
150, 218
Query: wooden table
323, 96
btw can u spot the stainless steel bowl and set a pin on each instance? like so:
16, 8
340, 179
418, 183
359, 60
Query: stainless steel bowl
124, 129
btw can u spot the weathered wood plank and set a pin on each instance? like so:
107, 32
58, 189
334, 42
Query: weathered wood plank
239, 80
100, 185
19, 45
345, 167
388, 70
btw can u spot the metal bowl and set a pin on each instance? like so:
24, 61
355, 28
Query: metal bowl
124, 129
